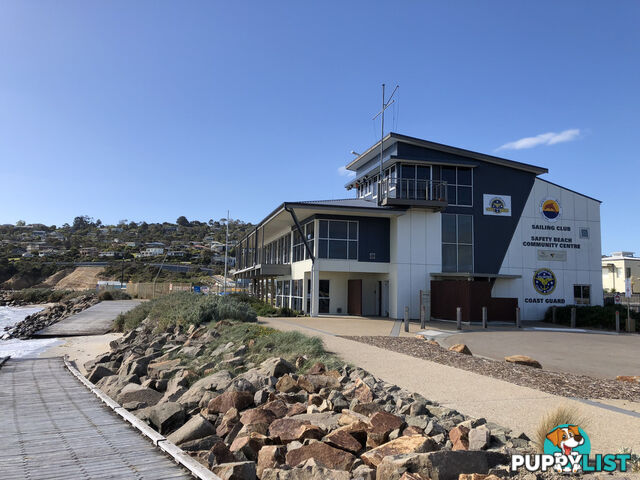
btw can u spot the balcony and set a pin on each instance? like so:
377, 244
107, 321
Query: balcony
411, 192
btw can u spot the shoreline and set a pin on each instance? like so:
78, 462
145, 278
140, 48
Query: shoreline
81, 349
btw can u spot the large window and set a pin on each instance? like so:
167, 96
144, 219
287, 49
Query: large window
296, 295
582, 294
457, 243
338, 239
323, 295
298, 247
308, 228
459, 185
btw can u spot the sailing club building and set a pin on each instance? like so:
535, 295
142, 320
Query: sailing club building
434, 226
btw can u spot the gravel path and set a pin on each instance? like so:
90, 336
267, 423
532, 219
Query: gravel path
563, 384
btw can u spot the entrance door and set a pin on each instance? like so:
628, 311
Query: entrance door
354, 299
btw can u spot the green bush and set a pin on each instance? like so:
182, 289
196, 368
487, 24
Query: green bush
592, 316
186, 308
113, 295
46, 295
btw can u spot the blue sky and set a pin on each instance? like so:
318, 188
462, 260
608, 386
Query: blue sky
149, 110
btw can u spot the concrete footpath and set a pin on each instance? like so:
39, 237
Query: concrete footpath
612, 428
96, 320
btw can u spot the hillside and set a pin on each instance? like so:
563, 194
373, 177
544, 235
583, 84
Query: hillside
82, 278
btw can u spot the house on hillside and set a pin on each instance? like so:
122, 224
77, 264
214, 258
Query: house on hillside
431, 226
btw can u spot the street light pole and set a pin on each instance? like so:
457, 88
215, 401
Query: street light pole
226, 249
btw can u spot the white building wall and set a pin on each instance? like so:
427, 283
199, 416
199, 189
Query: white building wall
580, 266
416, 252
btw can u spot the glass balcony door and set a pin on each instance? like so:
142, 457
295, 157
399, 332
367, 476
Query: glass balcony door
414, 182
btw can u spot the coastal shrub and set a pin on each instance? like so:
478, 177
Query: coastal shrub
130, 320
187, 308
45, 295
113, 295
264, 309
592, 316
553, 418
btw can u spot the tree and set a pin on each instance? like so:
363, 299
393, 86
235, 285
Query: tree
82, 221
182, 221
20, 223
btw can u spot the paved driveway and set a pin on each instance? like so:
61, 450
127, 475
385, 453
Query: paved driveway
595, 354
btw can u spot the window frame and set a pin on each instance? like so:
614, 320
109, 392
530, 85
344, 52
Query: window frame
328, 239
457, 243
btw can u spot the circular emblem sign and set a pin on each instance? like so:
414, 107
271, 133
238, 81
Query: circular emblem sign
544, 281
550, 209
497, 205
567, 439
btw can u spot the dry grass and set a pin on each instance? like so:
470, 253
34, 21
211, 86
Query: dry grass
553, 418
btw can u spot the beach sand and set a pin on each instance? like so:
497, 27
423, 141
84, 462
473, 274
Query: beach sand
81, 349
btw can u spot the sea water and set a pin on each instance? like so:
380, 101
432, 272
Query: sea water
14, 347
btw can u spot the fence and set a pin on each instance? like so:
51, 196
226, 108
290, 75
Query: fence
148, 291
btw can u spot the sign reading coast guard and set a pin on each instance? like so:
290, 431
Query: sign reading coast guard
498, 205
544, 281
550, 209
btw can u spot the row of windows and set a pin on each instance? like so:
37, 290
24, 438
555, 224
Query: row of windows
338, 239
413, 181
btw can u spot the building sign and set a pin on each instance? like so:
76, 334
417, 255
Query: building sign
550, 209
498, 205
544, 281
552, 255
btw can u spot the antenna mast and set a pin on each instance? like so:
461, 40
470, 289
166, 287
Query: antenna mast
385, 105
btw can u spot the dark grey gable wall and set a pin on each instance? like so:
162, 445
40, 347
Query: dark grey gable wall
492, 234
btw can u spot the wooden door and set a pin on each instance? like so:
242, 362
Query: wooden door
354, 299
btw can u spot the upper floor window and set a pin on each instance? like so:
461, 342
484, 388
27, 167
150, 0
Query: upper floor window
457, 243
338, 239
459, 185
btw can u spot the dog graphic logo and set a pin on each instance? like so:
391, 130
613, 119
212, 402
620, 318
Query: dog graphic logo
569, 441
544, 281
550, 209
497, 206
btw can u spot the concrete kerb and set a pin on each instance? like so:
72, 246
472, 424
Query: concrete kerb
3, 360
175, 452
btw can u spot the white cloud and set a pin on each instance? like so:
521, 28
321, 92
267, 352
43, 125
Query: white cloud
345, 173
550, 138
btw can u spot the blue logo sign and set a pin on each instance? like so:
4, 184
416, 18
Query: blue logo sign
544, 281
497, 206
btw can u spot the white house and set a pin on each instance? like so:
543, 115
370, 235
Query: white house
444, 228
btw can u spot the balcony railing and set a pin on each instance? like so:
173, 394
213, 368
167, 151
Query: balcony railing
413, 192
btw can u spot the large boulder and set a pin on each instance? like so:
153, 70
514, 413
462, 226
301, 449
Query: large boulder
166, 417
230, 399
215, 382
289, 429
401, 445
343, 440
235, 471
440, 465
270, 456
327, 455
137, 393
460, 348
309, 470
276, 367
197, 427
98, 373
523, 360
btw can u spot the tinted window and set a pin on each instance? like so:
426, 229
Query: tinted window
337, 249
338, 230
449, 260
464, 176
324, 228
449, 174
448, 228
465, 258
464, 196
465, 229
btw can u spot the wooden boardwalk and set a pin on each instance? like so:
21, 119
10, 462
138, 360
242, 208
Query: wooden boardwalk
53, 427
96, 320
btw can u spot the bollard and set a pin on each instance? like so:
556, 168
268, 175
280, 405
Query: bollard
553, 314
459, 317
518, 317
617, 321
484, 317
573, 317
423, 316
406, 319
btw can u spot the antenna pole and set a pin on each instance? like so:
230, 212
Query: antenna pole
226, 249
381, 149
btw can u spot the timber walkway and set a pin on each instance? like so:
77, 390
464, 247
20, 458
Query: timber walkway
53, 427
95, 320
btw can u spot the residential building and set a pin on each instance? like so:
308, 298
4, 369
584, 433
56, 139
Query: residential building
617, 268
89, 251
441, 228
151, 252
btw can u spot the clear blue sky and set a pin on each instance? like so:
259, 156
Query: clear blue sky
149, 110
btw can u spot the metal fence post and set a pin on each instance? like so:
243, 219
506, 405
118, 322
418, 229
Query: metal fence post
459, 317
553, 314
617, 321
518, 317
573, 317
484, 317
423, 315
406, 319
